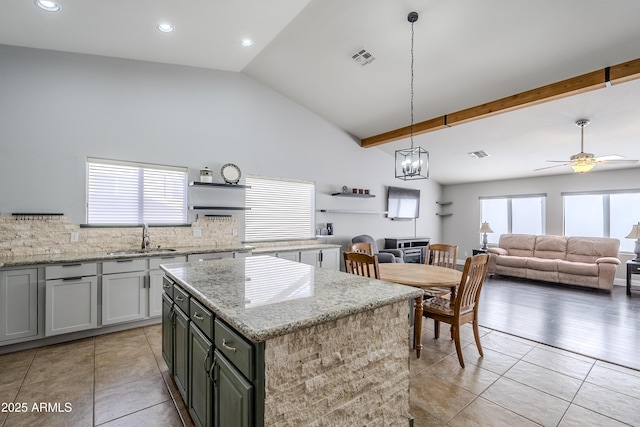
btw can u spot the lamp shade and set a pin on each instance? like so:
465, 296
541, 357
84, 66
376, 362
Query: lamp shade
582, 167
485, 228
635, 232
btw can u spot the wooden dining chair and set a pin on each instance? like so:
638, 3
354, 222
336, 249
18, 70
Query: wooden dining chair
464, 307
361, 247
442, 255
361, 264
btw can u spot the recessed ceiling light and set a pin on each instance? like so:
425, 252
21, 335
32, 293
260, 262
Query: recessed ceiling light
246, 42
165, 28
48, 5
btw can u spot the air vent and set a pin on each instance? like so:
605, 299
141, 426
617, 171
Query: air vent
479, 154
363, 57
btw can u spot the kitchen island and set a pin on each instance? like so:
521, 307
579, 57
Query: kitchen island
309, 346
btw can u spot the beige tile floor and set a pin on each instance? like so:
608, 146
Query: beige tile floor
120, 379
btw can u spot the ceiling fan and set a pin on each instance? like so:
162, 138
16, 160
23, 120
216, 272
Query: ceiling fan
584, 162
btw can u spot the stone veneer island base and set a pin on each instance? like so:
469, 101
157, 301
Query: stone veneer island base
329, 348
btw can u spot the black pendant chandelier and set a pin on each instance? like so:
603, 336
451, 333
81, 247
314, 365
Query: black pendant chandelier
412, 163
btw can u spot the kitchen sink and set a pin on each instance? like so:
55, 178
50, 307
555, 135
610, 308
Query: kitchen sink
142, 251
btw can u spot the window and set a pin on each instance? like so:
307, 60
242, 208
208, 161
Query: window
608, 214
279, 209
135, 193
513, 214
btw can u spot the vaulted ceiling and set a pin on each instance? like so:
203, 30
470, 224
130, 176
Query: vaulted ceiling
467, 53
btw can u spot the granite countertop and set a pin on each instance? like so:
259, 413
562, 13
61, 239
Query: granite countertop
113, 255
264, 297
292, 248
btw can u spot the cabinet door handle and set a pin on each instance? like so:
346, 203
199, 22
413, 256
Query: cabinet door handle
212, 371
124, 260
197, 316
179, 298
72, 265
204, 362
225, 345
72, 278
166, 285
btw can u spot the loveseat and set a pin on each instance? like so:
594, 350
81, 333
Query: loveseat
583, 261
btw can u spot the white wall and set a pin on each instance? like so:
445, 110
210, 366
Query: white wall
58, 108
462, 227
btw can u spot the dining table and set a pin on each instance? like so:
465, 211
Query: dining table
422, 276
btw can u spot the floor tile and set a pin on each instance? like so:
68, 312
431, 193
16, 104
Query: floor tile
114, 348
160, 415
13, 374
493, 361
177, 398
19, 358
482, 413
125, 399
121, 371
609, 403
50, 365
577, 416
560, 362
76, 412
618, 368
66, 386
543, 379
526, 401
422, 418
471, 378
615, 380
428, 356
566, 353
438, 397
505, 344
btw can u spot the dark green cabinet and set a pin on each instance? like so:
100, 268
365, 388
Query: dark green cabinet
167, 331
181, 350
200, 385
233, 395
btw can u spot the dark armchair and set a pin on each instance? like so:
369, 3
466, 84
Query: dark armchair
384, 255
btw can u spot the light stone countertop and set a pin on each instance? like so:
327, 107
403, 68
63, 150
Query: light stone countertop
264, 297
293, 248
69, 257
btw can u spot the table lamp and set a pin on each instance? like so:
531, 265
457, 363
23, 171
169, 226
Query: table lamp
635, 234
486, 228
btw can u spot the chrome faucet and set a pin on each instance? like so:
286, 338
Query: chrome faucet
146, 241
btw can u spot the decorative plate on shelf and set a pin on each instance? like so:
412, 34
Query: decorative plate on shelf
345, 189
230, 173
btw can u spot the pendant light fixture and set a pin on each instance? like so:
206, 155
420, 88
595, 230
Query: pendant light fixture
412, 163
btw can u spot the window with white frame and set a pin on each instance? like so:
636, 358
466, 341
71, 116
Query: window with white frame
602, 214
120, 192
279, 209
513, 214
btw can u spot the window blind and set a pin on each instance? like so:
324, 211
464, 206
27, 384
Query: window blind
279, 209
134, 193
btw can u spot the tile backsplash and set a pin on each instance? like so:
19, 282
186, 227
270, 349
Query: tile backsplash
36, 234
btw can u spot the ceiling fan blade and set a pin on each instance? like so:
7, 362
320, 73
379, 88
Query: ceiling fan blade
558, 161
609, 157
619, 162
554, 166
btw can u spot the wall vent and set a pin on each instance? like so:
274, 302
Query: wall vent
363, 57
478, 154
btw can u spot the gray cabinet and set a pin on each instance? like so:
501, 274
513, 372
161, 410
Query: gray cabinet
71, 298
124, 291
181, 351
18, 303
200, 385
233, 402
322, 258
167, 331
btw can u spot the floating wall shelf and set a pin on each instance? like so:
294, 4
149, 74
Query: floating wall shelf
218, 208
217, 185
348, 211
362, 196
443, 214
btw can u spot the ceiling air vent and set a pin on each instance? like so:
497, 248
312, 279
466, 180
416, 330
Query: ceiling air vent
478, 154
363, 57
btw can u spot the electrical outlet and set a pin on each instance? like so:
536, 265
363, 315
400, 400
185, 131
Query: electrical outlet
466, 254
197, 232
235, 232
74, 237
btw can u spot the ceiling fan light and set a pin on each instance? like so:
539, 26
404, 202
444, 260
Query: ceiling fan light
582, 167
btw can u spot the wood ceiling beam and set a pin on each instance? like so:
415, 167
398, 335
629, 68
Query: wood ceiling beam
584, 83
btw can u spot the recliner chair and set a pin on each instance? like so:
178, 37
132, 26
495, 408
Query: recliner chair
384, 255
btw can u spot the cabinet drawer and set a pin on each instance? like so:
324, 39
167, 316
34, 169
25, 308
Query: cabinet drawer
70, 270
235, 348
167, 287
124, 266
204, 257
154, 263
201, 317
181, 298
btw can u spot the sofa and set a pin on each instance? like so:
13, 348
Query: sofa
384, 255
583, 261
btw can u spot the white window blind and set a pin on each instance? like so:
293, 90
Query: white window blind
134, 193
279, 209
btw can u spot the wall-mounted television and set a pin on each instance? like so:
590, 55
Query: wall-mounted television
403, 203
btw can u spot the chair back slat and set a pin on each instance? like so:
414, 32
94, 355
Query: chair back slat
470, 286
441, 254
362, 247
361, 264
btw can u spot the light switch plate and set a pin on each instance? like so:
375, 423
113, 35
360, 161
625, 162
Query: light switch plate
74, 237
197, 232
